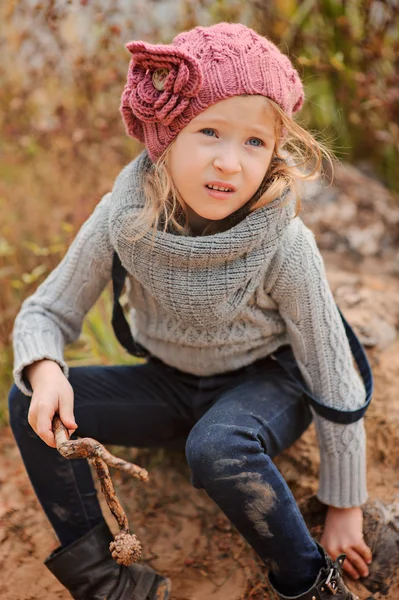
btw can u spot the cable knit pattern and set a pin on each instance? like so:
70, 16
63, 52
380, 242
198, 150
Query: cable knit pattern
53, 315
169, 84
298, 283
210, 304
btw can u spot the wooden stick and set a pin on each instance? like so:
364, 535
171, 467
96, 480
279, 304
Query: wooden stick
126, 548
89, 448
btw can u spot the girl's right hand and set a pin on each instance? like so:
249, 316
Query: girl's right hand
52, 393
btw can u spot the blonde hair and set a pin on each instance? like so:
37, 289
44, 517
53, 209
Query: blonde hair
298, 156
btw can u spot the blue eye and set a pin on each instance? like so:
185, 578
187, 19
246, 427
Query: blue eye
207, 129
256, 140
211, 133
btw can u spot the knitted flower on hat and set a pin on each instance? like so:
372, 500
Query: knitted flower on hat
168, 85
160, 83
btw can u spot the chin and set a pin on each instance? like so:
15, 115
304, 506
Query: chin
215, 215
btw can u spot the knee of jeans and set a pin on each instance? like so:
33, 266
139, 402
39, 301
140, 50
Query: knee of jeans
213, 452
18, 408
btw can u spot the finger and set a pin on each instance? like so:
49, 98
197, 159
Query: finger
33, 411
364, 551
350, 569
357, 562
44, 427
66, 412
32, 417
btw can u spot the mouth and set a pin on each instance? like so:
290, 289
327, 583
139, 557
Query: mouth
218, 194
219, 190
220, 186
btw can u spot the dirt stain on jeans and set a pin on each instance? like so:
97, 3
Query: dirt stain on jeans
260, 496
61, 512
261, 499
224, 463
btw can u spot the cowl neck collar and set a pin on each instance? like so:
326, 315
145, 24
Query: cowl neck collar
199, 282
261, 228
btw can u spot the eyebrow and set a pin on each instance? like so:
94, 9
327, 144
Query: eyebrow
253, 128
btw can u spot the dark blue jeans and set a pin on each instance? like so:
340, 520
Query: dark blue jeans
232, 426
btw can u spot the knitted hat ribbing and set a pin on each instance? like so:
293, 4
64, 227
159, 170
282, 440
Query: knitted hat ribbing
168, 85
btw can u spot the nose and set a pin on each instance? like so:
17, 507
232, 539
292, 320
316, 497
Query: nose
227, 160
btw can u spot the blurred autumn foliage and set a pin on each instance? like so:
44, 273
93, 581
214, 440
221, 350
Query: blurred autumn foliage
62, 142
348, 56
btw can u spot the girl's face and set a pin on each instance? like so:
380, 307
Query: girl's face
230, 145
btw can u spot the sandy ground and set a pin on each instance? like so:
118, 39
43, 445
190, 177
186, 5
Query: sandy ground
184, 534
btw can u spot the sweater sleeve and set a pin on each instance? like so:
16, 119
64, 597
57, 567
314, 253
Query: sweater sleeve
54, 314
297, 282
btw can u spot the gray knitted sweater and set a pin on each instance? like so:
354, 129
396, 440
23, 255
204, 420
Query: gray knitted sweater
211, 304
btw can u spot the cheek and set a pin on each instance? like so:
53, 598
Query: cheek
178, 166
184, 173
185, 157
261, 168
257, 176
190, 168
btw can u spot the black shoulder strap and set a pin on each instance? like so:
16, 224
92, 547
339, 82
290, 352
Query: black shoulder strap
119, 323
345, 417
124, 336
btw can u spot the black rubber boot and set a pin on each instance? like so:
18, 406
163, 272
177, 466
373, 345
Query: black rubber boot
329, 584
88, 571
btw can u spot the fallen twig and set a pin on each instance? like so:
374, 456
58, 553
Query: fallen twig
126, 548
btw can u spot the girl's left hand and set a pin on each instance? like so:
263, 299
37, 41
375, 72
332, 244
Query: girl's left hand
343, 534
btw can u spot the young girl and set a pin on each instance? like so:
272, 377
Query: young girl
231, 307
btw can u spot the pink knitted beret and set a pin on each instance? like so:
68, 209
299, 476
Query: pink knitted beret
168, 85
